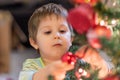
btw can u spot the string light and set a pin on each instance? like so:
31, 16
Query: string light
80, 70
114, 4
102, 22
113, 22
84, 73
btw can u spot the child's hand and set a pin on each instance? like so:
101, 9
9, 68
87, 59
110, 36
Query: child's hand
56, 69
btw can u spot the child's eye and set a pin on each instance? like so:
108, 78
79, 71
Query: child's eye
47, 32
62, 31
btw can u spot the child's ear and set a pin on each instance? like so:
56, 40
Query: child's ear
33, 43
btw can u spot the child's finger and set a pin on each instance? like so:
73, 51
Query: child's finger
60, 76
65, 66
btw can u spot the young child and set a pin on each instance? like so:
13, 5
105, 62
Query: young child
51, 35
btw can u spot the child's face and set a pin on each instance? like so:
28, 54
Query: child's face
53, 37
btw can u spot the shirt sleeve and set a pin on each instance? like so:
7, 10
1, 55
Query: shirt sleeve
30, 66
26, 75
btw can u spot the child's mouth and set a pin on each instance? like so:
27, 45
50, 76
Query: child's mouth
57, 45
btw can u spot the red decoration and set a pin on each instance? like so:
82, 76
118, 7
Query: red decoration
69, 57
93, 39
82, 18
103, 31
113, 77
94, 35
93, 2
95, 43
80, 1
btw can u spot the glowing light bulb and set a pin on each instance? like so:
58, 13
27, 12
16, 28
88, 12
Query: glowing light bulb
80, 70
102, 22
84, 73
114, 4
113, 22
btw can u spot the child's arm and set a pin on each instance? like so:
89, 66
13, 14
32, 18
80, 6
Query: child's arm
30, 66
57, 69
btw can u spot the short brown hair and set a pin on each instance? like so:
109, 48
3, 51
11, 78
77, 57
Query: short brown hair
42, 12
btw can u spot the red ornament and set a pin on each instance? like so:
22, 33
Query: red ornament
82, 18
69, 57
94, 35
95, 43
93, 39
103, 31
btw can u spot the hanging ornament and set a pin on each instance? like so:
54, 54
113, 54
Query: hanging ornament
69, 57
103, 31
93, 39
82, 18
95, 34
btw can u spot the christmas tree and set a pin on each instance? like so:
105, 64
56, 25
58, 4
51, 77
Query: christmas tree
97, 24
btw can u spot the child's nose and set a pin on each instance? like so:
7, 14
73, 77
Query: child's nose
57, 36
